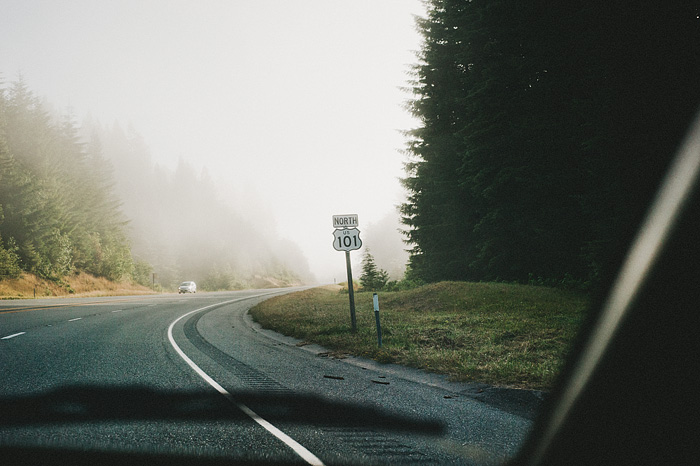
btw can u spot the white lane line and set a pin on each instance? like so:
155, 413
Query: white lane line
12, 336
118, 310
305, 454
77, 318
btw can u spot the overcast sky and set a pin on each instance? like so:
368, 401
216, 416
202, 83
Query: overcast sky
296, 103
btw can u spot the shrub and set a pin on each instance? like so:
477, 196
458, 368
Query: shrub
9, 260
372, 278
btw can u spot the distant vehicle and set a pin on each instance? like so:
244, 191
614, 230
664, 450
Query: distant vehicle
187, 287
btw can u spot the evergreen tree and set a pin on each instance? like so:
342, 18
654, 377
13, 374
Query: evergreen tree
57, 204
63, 206
9, 260
372, 278
527, 161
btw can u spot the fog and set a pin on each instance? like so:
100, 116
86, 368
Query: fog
265, 118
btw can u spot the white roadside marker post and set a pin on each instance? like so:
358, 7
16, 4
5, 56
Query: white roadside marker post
375, 298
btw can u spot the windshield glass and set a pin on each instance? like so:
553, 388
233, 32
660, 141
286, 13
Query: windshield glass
484, 164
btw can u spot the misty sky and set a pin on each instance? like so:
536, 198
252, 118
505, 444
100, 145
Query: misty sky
293, 106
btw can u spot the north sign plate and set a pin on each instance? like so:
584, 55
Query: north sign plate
345, 221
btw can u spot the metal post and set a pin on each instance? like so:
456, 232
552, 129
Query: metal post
351, 292
376, 317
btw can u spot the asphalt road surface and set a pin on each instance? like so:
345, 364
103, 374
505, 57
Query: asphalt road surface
191, 378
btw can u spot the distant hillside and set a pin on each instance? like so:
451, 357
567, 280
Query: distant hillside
78, 285
89, 199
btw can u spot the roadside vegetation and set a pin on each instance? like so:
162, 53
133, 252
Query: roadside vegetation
495, 333
87, 199
531, 160
27, 286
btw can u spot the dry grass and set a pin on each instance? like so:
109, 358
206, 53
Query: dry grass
82, 284
508, 335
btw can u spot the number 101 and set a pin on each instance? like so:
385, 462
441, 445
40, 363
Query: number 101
347, 241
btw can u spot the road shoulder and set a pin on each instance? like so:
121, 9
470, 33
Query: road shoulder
523, 403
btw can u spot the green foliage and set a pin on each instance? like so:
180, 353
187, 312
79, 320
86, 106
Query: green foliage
568, 282
56, 260
56, 194
528, 161
63, 204
492, 333
142, 273
178, 222
403, 285
372, 278
117, 263
220, 280
9, 260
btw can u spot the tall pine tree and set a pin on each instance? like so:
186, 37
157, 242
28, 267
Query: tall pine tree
58, 208
543, 130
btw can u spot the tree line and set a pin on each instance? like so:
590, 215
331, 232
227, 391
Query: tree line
183, 227
58, 209
87, 197
544, 129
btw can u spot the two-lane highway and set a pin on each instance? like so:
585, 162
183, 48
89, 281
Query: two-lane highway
192, 376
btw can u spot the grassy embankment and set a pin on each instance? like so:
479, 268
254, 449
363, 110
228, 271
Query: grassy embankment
81, 284
499, 334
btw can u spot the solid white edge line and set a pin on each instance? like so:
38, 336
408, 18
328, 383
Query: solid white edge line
12, 336
305, 454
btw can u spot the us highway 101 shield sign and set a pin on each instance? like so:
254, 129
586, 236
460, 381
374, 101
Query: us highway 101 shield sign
347, 239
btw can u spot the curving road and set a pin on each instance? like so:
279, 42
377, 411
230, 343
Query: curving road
191, 379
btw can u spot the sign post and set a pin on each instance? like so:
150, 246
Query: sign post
346, 237
351, 293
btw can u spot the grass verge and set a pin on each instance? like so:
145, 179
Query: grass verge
499, 334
